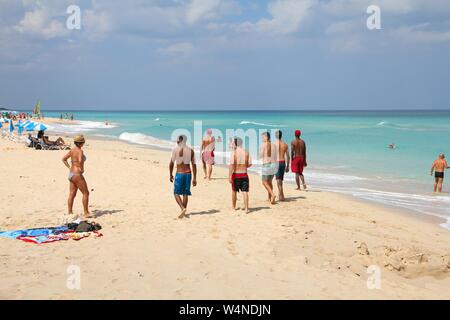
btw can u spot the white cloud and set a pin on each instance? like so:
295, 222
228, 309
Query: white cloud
180, 48
420, 34
286, 17
40, 23
201, 9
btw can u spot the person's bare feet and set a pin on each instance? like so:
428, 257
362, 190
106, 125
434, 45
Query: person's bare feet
182, 214
304, 187
273, 200
247, 211
87, 215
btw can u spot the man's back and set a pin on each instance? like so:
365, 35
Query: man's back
241, 159
298, 147
282, 148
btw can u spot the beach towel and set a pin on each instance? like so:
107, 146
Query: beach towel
36, 232
47, 235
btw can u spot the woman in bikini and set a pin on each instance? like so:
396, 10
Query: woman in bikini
76, 178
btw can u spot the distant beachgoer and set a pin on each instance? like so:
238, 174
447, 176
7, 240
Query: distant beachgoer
439, 166
207, 149
269, 166
106, 123
76, 178
71, 117
283, 162
239, 163
298, 156
392, 146
183, 157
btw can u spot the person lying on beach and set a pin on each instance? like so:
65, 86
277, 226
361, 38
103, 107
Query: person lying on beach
76, 178
207, 150
183, 157
239, 163
58, 142
298, 156
269, 166
283, 162
439, 165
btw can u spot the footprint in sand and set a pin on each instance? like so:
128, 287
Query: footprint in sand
232, 248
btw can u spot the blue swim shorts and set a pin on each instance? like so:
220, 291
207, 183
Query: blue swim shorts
182, 184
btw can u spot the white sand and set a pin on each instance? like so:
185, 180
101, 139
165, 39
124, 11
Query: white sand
305, 248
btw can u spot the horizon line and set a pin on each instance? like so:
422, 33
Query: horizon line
232, 110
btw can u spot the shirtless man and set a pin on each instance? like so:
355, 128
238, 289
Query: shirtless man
283, 162
298, 156
239, 163
183, 156
207, 149
439, 165
269, 166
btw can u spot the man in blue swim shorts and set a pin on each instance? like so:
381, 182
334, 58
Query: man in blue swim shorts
283, 162
183, 157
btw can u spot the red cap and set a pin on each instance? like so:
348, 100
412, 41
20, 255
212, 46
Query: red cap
298, 133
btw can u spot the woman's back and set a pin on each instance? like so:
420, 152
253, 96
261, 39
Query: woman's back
77, 158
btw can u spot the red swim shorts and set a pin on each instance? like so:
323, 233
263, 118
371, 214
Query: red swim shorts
208, 157
298, 164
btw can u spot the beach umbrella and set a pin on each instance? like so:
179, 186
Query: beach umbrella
11, 126
19, 130
1, 124
40, 127
24, 124
30, 126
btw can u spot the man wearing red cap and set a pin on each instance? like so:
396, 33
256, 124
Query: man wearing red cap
298, 156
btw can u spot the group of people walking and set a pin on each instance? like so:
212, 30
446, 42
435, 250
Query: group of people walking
276, 160
275, 157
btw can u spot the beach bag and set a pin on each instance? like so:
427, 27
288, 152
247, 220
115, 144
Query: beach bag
84, 226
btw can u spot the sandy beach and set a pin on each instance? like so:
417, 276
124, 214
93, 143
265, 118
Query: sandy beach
316, 245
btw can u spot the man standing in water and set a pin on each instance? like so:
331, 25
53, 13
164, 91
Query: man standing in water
283, 162
183, 156
439, 165
239, 163
207, 149
298, 156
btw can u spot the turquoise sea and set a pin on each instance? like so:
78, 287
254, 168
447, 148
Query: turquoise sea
347, 150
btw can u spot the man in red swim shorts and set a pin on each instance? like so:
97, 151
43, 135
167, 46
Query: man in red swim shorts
298, 156
207, 149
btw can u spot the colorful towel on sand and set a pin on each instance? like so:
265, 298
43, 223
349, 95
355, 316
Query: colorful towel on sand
36, 232
47, 235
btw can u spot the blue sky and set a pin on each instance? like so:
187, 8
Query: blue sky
223, 54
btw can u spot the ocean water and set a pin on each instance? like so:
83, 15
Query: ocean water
347, 151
